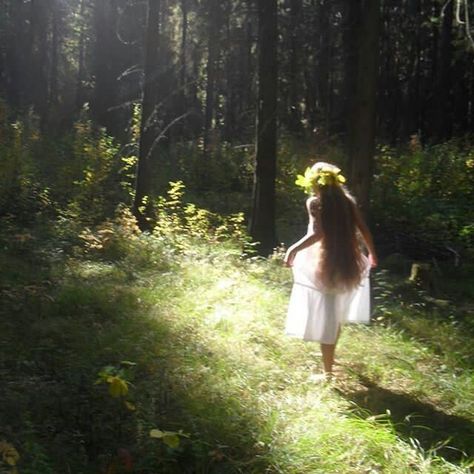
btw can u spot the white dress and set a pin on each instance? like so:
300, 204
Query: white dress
314, 314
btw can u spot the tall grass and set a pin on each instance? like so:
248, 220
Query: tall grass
106, 339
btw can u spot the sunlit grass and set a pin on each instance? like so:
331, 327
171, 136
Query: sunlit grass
205, 337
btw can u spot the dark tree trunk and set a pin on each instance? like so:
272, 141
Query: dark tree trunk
311, 66
184, 42
262, 225
443, 118
350, 25
294, 116
230, 83
13, 47
211, 69
4, 28
248, 90
51, 116
38, 75
80, 98
460, 97
148, 129
106, 66
322, 67
362, 128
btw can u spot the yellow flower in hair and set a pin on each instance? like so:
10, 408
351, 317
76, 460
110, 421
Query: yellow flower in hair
325, 176
306, 181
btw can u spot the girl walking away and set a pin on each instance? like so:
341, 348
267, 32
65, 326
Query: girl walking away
330, 270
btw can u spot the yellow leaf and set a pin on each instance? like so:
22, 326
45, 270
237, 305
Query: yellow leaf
117, 386
10, 455
130, 406
158, 434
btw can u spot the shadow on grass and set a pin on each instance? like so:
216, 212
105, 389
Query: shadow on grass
60, 332
430, 426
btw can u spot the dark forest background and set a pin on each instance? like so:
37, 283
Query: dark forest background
148, 157
107, 101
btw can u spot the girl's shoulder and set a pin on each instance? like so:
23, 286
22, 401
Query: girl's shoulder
312, 201
312, 205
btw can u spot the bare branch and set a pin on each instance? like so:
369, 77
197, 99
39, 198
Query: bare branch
443, 10
468, 26
458, 12
162, 133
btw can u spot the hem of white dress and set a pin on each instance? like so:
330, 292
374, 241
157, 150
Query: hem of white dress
309, 339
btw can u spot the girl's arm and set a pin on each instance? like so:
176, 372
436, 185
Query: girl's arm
306, 241
309, 239
367, 236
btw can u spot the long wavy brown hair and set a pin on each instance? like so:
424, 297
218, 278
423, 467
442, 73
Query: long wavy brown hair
342, 262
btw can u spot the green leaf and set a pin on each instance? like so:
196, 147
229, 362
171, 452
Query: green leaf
171, 440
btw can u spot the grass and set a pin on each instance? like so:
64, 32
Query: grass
198, 338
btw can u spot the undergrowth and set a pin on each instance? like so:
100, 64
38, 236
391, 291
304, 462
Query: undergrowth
164, 352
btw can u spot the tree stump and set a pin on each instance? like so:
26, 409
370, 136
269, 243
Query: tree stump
423, 275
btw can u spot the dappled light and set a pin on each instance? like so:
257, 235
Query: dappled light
236, 237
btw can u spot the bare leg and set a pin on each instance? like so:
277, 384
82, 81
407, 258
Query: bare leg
327, 351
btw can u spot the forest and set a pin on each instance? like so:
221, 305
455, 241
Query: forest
148, 157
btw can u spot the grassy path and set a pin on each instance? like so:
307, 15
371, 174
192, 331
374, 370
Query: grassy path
201, 348
339, 428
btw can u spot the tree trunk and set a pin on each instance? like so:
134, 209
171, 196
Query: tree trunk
12, 71
51, 112
38, 75
322, 68
211, 69
443, 114
350, 25
262, 225
81, 58
183, 52
149, 103
106, 66
294, 116
362, 125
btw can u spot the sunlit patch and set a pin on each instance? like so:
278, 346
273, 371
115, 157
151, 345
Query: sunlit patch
225, 283
219, 314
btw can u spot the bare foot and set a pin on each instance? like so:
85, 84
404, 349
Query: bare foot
321, 378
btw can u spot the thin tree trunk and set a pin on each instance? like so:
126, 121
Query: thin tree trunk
184, 36
350, 19
81, 58
53, 72
443, 114
230, 86
149, 102
13, 83
262, 225
322, 74
211, 69
362, 132
294, 118
38, 86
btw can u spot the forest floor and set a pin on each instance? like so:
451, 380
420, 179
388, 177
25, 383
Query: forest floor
180, 365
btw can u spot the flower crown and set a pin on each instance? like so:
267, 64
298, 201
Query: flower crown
325, 176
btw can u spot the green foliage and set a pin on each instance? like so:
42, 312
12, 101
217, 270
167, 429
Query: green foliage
184, 224
426, 193
97, 189
194, 372
83, 174
21, 193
